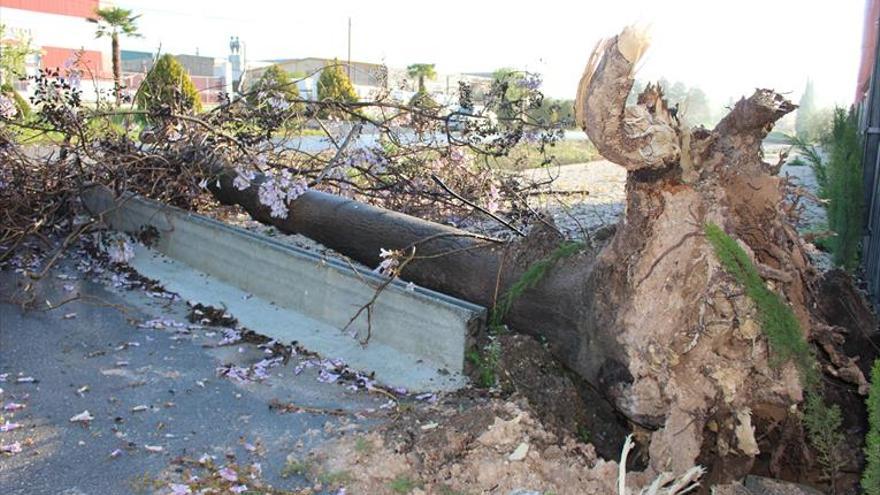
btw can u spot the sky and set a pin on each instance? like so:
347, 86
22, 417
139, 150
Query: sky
726, 48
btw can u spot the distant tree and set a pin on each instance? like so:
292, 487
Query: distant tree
13, 56
334, 85
677, 93
420, 72
556, 112
805, 122
696, 108
275, 82
113, 21
168, 86
508, 78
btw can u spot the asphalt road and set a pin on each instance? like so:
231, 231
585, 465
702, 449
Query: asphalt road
190, 410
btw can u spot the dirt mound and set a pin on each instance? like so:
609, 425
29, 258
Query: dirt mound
493, 447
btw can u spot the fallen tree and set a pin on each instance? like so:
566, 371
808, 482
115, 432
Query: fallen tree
653, 318
692, 319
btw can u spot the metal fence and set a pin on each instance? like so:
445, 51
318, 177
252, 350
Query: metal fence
870, 128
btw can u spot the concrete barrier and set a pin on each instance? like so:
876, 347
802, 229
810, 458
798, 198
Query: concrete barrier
419, 337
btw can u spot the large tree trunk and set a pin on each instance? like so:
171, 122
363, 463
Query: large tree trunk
117, 67
652, 320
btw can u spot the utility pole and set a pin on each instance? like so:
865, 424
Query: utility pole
349, 47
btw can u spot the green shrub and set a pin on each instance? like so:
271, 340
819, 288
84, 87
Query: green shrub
168, 86
335, 86
871, 476
24, 108
422, 100
275, 82
844, 188
823, 424
810, 153
839, 176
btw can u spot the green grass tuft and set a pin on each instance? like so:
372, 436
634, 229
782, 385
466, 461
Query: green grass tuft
486, 363
536, 272
403, 484
295, 468
335, 478
363, 446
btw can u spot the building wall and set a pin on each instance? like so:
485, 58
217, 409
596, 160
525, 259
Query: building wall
76, 8
868, 102
59, 28
54, 57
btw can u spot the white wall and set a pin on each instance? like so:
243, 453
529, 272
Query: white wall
55, 30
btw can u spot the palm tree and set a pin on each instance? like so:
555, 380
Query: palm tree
421, 72
113, 21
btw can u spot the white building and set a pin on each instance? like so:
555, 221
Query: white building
60, 30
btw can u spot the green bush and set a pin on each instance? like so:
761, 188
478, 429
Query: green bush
811, 154
275, 82
823, 424
844, 188
422, 100
839, 177
24, 108
335, 86
167, 85
871, 476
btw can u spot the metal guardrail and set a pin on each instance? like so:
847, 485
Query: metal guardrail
419, 337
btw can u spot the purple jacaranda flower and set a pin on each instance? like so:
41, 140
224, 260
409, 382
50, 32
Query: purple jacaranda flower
179, 489
228, 474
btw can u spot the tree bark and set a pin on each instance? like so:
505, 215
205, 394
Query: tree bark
117, 66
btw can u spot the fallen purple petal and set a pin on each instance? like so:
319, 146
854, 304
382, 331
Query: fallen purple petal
9, 426
179, 489
228, 474
12, 448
